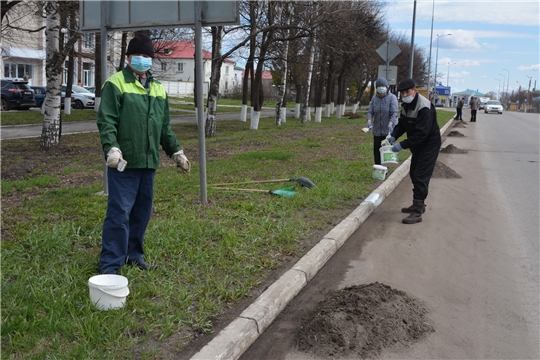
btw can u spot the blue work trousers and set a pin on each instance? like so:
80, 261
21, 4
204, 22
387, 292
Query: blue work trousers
131, 195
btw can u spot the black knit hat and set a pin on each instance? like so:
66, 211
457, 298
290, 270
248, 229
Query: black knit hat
140, 44
406, 85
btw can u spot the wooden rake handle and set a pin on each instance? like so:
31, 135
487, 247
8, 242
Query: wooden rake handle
252, 182
247, 190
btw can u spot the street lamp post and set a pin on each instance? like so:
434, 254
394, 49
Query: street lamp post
430, 47
527, 100
507, 84
499, 92
437, 55
504, 79
448, 73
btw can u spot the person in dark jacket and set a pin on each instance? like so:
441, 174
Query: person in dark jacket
133, 122
473, 104
382, 116
418, 119
459, 109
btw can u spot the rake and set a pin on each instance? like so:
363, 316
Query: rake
303, 181
287, 192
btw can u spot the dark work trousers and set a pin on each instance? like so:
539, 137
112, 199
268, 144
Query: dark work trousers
376, 148
459, 113
473, 115
422, 164
129, 207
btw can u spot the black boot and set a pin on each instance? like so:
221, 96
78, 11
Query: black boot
418, 208
410, 209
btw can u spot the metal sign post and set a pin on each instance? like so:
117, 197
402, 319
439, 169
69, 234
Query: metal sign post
200, 106
103, 29
388, 51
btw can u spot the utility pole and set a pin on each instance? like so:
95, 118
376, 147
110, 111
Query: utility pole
527, 98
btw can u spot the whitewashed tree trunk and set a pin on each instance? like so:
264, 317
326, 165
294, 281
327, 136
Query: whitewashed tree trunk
306, 113
283, 115
284, 70
243, 113
332, 108
67, 106
97, 103
355, 107
343, 108
338, 112
297, 110
210, 116
50, 134
255, 120
327, 110
318, 114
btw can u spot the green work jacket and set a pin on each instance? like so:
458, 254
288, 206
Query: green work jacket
135, 119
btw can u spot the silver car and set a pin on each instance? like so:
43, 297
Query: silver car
493, 106
83, 98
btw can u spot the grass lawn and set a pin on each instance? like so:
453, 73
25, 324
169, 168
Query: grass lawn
211, 256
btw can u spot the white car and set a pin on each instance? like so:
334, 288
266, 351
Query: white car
493, 106
81, 98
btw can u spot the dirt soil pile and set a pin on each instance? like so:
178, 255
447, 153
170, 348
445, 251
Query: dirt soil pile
361, 321
455, 133
451, 149
459, 124
442, 171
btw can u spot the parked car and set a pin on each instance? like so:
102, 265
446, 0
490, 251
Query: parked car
493, 106
16, 94
92, 89
82, 98
41, 91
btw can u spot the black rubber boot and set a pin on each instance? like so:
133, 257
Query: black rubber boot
418, 209
410, 209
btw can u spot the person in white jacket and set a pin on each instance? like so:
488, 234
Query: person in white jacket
382, 116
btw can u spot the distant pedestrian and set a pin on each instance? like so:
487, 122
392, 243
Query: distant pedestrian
134, 122
382, 115
474, 108
418, 119
459, 109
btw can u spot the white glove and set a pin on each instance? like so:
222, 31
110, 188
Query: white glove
114, 156
182, 163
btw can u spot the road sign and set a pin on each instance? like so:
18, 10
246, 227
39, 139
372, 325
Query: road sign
388, 51
136, 15
391, 76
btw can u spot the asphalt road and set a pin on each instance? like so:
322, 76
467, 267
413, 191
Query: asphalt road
474, 260
29, 131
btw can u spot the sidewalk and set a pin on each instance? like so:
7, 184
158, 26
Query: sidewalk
238, 336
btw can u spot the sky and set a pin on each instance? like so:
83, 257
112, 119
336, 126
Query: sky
492, 42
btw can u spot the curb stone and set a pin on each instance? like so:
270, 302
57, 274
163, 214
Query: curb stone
237, 337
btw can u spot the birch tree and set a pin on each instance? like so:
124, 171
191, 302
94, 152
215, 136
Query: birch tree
53, 69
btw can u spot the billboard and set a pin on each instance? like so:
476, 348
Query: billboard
138, 15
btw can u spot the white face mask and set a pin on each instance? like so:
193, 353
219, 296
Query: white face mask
381, 90
408, 99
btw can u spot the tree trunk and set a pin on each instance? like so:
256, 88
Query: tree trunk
210, 128
280, 115
329, 86
53, 69
306, 112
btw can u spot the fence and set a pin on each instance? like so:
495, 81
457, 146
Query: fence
182, 88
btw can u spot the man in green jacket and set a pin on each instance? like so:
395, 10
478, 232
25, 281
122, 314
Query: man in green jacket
133, 121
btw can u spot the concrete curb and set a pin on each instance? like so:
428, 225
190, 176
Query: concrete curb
238, 336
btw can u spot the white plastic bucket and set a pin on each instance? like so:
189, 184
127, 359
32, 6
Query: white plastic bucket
388, 156
379, 172
108, 292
